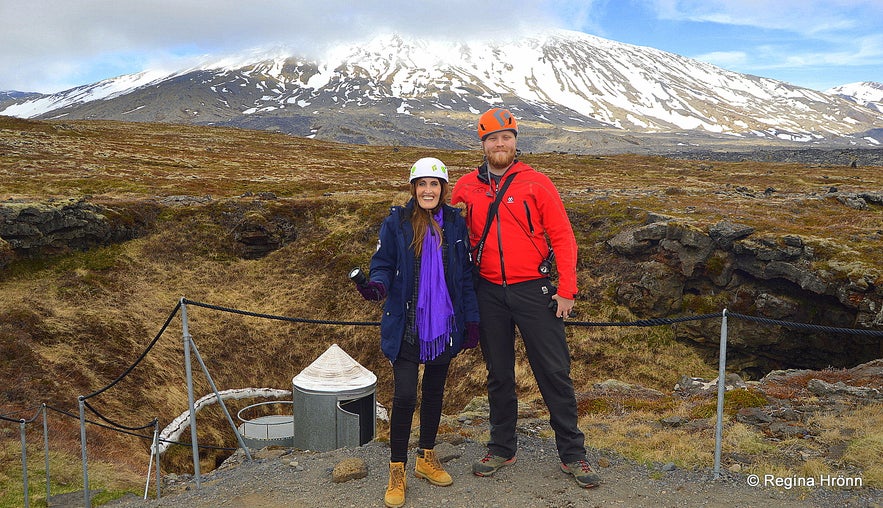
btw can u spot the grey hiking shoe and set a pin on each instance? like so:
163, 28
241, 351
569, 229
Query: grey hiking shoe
583, 473
490, 464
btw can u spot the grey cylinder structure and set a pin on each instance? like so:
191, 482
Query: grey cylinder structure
334, 403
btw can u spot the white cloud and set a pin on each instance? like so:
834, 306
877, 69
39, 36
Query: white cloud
50, 45
42, 40
807, 17
815, 41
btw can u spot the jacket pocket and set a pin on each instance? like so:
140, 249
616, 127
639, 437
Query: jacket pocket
392, 326
527, 216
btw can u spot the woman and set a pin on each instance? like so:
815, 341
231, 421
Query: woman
423, 268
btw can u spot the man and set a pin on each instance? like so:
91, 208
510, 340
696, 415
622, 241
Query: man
513, 289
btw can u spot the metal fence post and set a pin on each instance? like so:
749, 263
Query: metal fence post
150, 462
46, 452
189, 371
82, 403
24, 464
721, 382
156, 452
214, 387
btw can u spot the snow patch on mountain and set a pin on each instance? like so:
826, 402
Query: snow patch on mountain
867, 93
103, 90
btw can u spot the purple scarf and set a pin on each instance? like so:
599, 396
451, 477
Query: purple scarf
435, 314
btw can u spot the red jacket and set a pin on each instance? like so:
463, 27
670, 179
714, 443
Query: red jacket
530, 210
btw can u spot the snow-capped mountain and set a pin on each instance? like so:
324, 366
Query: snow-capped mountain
573, 91
867, 93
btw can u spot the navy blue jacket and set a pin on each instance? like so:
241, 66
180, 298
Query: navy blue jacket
393, 266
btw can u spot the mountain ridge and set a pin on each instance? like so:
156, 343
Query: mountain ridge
577, 92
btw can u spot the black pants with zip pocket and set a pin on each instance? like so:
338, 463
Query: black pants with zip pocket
526, 306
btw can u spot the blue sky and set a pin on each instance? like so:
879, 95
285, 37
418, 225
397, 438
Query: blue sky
52, 45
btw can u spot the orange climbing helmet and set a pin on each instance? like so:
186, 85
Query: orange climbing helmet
496, 120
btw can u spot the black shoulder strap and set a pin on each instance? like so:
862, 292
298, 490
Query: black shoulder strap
491, 213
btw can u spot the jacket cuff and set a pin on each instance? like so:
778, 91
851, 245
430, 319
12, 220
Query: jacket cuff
564, 294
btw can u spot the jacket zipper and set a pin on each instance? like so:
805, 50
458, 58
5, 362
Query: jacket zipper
527, 214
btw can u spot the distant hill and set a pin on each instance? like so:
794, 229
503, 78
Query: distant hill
867, 93
9, 97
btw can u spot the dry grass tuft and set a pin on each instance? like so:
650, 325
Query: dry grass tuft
859, 435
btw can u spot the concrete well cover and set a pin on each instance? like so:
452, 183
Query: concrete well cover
334, 371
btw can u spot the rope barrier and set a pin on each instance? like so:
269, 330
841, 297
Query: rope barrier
19, 420
118, 425
61, 411
279, 318
143, 355
805, 326
202, 447
644, 322
639, 323
113, 429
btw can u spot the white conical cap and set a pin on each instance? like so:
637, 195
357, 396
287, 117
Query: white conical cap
335, 372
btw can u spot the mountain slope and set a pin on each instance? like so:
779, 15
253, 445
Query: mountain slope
867, 93
582, 92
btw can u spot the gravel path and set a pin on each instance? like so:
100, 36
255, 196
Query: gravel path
304, 479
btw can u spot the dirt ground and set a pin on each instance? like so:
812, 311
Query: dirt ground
304, 479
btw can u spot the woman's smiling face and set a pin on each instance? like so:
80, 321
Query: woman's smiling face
428, 192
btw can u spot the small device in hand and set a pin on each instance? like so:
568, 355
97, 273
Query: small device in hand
358, 276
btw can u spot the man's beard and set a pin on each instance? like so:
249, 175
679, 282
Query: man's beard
502, 159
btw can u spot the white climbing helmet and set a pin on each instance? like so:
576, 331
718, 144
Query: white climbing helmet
429, 166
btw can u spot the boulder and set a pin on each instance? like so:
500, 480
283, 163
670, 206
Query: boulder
32, 229
351, 468
724, 233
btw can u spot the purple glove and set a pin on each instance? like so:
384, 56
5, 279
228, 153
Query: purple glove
471, 335
372, 290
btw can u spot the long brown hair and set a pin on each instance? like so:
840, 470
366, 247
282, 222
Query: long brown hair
421, 219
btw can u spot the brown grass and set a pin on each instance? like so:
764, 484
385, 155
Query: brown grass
795, 386
72, 323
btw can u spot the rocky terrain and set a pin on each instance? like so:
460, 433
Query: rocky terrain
674, 259
856, 157
355, 477
778, 275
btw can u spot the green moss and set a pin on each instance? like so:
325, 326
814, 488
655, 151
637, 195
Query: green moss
716, 264
734, 400
703, 411
594, 406
705, 303
742, 398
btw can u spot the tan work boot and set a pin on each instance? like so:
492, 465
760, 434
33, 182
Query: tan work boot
428, 467
395, 491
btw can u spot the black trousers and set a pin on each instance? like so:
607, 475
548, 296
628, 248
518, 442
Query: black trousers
526, 305
404, 402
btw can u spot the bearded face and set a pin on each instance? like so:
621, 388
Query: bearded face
499, 148
501, 158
